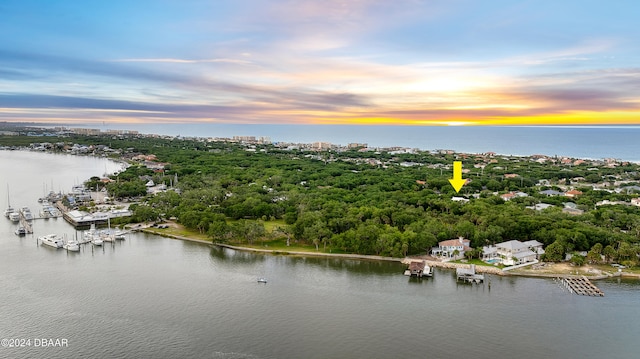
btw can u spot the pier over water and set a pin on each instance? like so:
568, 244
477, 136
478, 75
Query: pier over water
581, 286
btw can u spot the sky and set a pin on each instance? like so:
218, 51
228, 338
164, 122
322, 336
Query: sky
400, 62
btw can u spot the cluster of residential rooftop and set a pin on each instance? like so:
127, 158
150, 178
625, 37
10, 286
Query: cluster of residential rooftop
507, 253
496, 162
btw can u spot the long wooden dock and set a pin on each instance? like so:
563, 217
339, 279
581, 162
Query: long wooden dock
26, 224
581, 286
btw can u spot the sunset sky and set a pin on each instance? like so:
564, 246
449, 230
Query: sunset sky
420, 62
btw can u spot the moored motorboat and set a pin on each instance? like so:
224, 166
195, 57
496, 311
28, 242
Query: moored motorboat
20, 231
14, 216
8, 211
51, 240
72, 245
118, 234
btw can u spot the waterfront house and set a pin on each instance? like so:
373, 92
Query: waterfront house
535, 247
511, 252
449, 247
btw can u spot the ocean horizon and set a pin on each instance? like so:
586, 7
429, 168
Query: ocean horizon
589, 142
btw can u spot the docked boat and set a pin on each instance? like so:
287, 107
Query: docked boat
120, 235
44, 212
51, 240
20, 231
107, 236
9, 210
26, 213
72, 245
92, 236
14, 217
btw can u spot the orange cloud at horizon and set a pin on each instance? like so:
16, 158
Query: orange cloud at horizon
576, 118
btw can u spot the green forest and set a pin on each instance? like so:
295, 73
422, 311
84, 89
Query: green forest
370, 202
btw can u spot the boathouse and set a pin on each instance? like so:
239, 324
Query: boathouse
469, 275
419, 269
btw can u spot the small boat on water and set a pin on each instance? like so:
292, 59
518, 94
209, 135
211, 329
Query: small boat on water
71, 246
14, 216
118, 234
21, 231
44, 213
262, 280
8, 211
49, 211
51, 240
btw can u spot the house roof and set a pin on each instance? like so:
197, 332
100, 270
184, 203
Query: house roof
551, 192
489, 250
454, 242
523, 254
512, 245
532, 243
540, 206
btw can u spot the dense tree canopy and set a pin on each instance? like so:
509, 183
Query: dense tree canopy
373, 203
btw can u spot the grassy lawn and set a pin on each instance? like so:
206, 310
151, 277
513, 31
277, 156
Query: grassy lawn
269, 226
280, 245
180, 231
478, 262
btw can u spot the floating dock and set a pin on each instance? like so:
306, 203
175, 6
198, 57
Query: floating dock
581, 286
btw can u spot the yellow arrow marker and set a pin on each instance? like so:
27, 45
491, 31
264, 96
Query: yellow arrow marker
457, 182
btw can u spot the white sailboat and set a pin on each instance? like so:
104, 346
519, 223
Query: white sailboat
9, 210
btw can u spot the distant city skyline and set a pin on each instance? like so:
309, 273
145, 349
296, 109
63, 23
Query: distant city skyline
412, 62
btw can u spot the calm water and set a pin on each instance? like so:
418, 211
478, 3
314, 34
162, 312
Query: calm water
152, 297
582, 142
